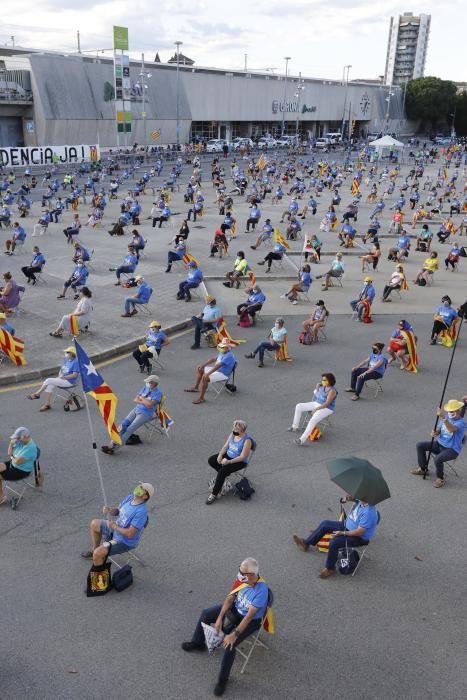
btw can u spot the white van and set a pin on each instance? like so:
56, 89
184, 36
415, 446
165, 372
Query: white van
334, 137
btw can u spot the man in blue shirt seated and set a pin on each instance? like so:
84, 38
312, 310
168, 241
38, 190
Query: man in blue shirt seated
359, 528
22, 453
447, 446
277, 253
77, 279
208, 320
216, 369
365, 299
18, 237
253, 304
142, 296
255, 215
239, 616
37, 263
372, 367
193, 280
147, 400
123, 534
127, 265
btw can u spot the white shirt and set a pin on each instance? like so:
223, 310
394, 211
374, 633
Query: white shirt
84, 307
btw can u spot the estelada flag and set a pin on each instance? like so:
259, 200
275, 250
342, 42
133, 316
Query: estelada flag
165, 420
262, 162
409, 339
94, 385
74, 327
13, 347
223, 334
279, 238
268, 619
282, 354
355, 186
188, 257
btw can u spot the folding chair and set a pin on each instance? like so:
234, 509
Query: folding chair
305, 295
323, 425
144, 309
220, 386
336, 281
378, 386
154, 427
37, 483
71, 398
450, 465
254, 639
40, 276
279, 264
130, 553
364, 545
89, 263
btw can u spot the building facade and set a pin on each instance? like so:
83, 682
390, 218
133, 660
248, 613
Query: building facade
69, 99
407, 48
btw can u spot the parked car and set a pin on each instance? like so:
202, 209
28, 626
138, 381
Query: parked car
322, 142
242, 141
267, 142
215, 145
334, 137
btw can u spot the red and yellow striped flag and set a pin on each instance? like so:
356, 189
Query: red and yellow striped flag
268, 618
355, 186
165, 420
412, 365
223, 334
107, 403
262, 162
282, 355
188, 257
74, 327
13, 347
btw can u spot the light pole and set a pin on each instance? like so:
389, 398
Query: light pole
298, 95
178, 44
286, 59
388, 102
143, 75
345, 81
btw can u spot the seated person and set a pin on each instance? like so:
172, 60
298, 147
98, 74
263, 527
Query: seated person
312, 247
447, 446
396, 282
266, 235
402, 249
347, 235
22, 453
336, 270
35, 266
372, 232
220, 244
240, 616
240, 269
446, 228
277, 253
208, 320
77, 279
316, 321
398, 349
293, 229
423, 241
193, 280
163, 216
42, 224
82, 313
372, 258
117, 229
155, 340
254, 217
67, 378
358, 529
72, 230
177, 254
137, 242
80, 253
453, 257
372, 367
17, 237
277, 336
110, 537
303, 285
147, 400
322, 406
10, 294
430, 265
443, 319
233, 456
362, 305
127, 266
142, 296
252, 305
216, 369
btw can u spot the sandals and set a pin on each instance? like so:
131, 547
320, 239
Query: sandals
33, 396
56, 334
45, 407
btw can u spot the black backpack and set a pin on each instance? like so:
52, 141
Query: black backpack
122, 578
244, 489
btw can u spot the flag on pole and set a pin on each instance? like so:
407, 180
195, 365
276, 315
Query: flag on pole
13, 347
94, 385
268, 619
279, 238
74, 327
262, 162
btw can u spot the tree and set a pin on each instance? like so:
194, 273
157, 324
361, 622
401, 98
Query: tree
461, 114
431, 100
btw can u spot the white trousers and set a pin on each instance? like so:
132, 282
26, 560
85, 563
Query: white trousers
65, 322
55, 383
316, 418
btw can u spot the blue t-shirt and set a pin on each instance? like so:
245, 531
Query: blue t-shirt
130, 261
374, 358
368, 292
256, 298
256, 596
404, 242
279, 248
69, 367
150, 395
452, 440
194, 276
37, 260
210, 312
155, 339
235, 448
306, 280
448, 314
180, 250
131, 515
227, 361
322, 396
363, 516
27, 452
144, 292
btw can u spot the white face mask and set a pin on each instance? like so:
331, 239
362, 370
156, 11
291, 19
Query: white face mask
451, 415
242, 578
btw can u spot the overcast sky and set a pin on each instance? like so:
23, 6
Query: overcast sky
321, 36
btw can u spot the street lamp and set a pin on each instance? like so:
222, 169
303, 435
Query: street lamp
298, 94
143, 76
286, 59
388, 101
178, 44
345, 81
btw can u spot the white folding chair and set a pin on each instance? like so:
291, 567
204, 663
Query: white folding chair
364, 548
220, 386
305, 295
130, 554
25, 483
378, 386
255, 639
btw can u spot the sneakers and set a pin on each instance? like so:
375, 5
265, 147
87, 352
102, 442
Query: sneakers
439, 483
291, 429
87, 554
195, 347
250, 356
192, 646
419, 471
107, 450
299, 442
210, 499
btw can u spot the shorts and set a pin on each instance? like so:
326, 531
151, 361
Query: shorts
215, 376
115, 546
13, 474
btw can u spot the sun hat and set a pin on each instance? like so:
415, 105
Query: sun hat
368, 279
154, 324
153, 378
453, 405
70, 349
149, 488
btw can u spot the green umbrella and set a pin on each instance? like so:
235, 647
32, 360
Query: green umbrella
359, 478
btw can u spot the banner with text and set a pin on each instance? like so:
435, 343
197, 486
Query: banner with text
47, 155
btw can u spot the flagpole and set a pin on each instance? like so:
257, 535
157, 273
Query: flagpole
94, 447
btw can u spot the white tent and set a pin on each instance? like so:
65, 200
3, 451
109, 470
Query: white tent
386, 144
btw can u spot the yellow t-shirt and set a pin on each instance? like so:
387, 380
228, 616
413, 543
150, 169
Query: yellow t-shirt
431, 264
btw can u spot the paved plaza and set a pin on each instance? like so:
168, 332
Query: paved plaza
395, 630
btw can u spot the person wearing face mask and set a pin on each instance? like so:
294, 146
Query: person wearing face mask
276, 338
252, 305
142, 296
403, 347
77, 279
155, 340
208, 320
362, 305
123, 534
82, 312
323, 405
147, 400
372, 367
216, 369
444, 321
22, 453
447, 445
67, 378
239, 616
233, 456
239, 270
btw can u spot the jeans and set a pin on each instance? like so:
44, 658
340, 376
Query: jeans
123, 268
172, 257
130, 303
360, 310
262, 347
223, 471
131, 423
441, 455
210, 615
357, 381
184, 289
336, 543
200, 325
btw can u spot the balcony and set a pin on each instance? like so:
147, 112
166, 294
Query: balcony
15, 87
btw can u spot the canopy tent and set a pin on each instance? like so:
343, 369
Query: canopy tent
386, 144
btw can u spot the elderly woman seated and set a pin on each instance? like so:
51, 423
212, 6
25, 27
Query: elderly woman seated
316, 321
372, 258
277, 336
303, 285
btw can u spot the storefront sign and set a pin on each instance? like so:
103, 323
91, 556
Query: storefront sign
47, 155
306, 109
281, 106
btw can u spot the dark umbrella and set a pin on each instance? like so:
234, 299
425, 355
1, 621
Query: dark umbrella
359, 478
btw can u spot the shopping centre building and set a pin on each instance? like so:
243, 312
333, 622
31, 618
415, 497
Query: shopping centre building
52, 98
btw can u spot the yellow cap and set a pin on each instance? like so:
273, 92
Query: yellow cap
368, 279
154, 324
70, 349
453, 405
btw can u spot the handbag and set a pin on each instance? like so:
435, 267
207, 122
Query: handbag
122, 578
99, 581
244, 489
347, 559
